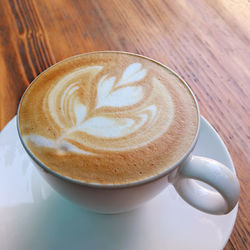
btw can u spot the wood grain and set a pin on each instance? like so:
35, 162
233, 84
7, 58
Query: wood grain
205, 41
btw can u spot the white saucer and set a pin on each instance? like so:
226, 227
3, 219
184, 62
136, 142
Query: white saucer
33, 216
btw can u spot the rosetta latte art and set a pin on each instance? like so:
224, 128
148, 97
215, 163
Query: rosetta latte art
105, 112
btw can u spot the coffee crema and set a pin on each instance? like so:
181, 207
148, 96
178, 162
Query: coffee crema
108, 117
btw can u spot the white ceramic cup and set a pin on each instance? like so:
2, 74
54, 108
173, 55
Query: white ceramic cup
117, 198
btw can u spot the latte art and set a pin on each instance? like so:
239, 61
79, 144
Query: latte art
131, 109
95, 109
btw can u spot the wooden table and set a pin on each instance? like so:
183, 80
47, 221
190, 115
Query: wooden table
206, 41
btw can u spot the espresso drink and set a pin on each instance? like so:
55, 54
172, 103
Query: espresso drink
108, 117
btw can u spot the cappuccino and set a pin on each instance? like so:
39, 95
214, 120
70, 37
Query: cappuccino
108, 118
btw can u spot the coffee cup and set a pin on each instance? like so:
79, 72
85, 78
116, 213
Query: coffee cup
110, 130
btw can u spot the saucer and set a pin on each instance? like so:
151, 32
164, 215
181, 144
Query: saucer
33, 216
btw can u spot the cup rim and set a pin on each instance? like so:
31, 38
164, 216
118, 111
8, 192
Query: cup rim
122, 185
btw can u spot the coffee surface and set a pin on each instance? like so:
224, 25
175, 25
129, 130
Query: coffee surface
108, 117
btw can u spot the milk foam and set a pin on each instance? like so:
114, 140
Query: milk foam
125, 92
61, 146
67, 95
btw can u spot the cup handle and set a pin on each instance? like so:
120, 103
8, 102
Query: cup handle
213, 173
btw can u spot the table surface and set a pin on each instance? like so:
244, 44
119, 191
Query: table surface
205, 41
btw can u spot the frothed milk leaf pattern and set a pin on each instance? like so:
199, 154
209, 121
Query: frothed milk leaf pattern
80, 112
106, 118
132, 73
104, 89
70, 83
60, 146
121, 97
106, 127
125, 96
